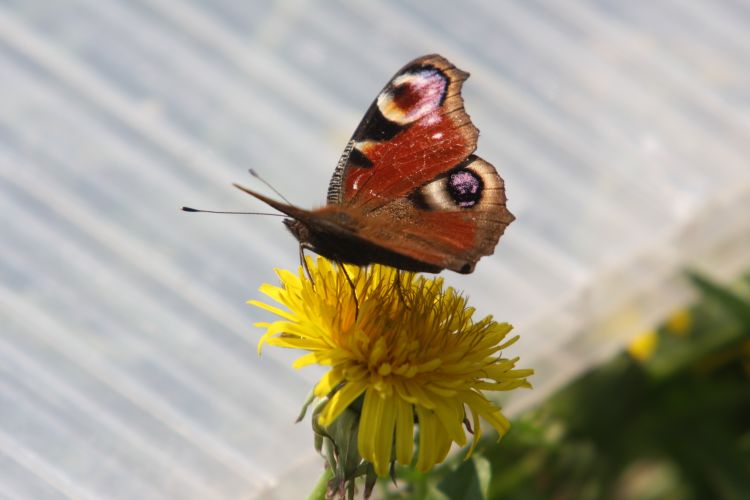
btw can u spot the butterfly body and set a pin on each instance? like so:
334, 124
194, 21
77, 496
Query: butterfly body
339, 243
407, 191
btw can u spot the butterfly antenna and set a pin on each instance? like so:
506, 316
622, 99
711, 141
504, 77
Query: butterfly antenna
195, 210
261, 179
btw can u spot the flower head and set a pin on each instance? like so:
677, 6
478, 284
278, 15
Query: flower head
403, 350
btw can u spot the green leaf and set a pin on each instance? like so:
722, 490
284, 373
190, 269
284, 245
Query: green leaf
737, 306
471, 480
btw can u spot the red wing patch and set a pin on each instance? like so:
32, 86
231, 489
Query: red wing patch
451, 221
415, 130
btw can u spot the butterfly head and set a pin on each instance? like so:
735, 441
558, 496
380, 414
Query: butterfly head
298, 229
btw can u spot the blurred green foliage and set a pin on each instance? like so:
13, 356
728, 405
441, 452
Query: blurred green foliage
675, 425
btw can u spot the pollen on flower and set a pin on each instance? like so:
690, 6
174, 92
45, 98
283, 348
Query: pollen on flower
409, 352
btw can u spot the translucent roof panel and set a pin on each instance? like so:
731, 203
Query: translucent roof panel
128, 363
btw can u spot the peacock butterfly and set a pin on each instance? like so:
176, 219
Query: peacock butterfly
407, 191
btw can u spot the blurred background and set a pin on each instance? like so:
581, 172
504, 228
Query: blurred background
128, 364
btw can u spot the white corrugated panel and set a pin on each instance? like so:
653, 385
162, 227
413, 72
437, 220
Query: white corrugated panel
128, 366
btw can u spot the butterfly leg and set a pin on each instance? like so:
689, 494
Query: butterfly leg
303, 262
354, 289
399, 288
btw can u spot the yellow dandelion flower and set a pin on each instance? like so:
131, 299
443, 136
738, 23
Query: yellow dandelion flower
644, 345
405, 351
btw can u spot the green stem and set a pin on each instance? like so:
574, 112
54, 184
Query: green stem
319, 491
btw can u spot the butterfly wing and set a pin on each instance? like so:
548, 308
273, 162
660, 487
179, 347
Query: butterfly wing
449, 223
414, 131
408, 192
409, 174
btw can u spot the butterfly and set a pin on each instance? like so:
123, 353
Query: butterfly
408, 192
